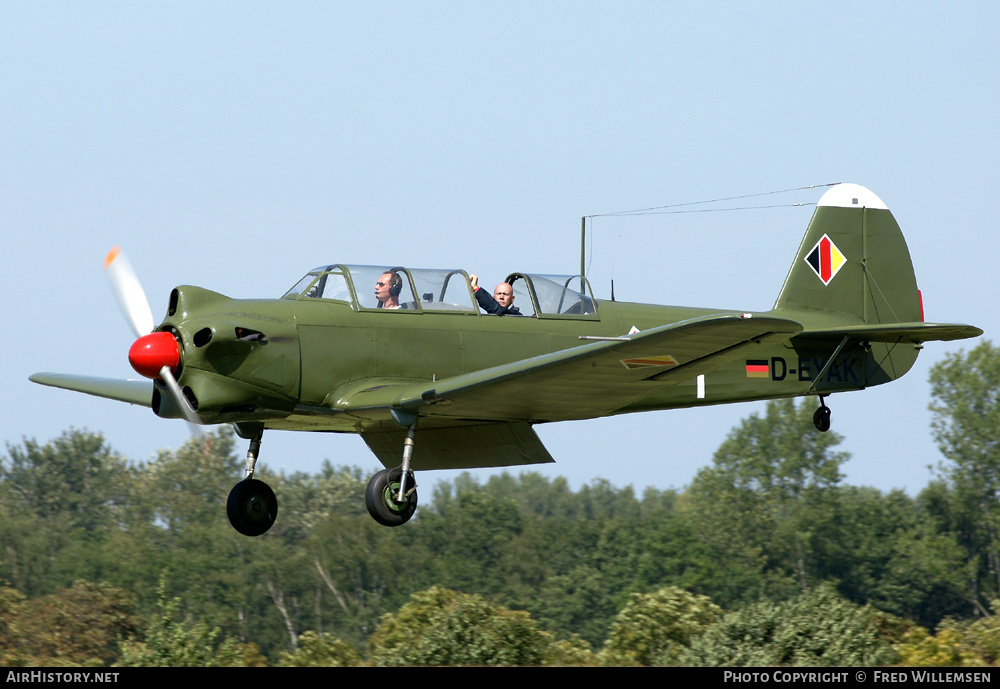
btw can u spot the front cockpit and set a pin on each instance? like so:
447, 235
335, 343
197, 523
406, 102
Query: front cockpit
407, 290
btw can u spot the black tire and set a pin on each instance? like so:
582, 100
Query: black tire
380, 498
821, 417
252, 507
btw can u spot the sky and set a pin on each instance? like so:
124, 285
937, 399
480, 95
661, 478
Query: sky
236, 145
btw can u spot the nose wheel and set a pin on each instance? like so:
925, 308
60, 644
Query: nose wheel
252, 507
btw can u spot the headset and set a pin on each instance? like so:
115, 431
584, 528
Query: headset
395, 285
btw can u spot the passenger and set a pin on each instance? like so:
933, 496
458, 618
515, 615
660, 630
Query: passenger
387, 290
502, 301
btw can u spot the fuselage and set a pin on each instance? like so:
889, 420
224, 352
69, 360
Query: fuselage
300, 359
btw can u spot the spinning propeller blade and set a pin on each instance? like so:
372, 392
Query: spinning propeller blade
128, 291
153, 354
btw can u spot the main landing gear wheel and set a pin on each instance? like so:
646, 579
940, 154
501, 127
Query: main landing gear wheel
821, 417
381, 498
252, 507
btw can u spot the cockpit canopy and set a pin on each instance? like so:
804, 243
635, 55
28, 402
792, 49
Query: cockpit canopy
553, 295
419, 290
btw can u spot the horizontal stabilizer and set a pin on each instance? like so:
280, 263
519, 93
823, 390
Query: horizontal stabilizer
915, 333
132, 391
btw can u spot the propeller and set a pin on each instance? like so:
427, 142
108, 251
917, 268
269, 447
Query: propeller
128, 290
154, 355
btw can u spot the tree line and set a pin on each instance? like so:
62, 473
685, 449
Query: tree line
106, 561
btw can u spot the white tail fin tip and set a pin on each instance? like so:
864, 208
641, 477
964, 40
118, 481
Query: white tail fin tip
851, 196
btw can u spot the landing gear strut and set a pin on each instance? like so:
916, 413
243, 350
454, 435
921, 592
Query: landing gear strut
821, 417
252, 506
391, 495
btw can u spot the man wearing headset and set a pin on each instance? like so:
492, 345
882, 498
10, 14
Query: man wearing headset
387, 290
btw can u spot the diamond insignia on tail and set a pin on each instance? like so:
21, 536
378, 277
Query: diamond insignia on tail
825, 259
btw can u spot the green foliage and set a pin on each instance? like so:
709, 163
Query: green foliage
466, 557
965, 390
66, 496
183, 489
573, 651
982, 636
307, 501
919, 648
781, 455
888, 549
75, 478
349, 569
171, 643
654, 628
78, 626
578, 602
444, 627
767, 500
818, 628
11, 635
957, 643
315, 650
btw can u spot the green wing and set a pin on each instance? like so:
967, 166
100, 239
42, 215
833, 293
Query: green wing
483, 418
132, 391
596, 378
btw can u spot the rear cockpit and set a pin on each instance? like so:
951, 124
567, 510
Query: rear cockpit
553, 296
405, 290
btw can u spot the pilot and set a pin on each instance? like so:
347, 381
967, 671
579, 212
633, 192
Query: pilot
387, 290
502, 301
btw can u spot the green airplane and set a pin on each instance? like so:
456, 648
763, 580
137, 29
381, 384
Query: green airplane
408, 359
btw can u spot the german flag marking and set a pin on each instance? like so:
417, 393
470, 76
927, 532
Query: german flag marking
758, 368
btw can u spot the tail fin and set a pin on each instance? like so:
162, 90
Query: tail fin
853, 264
852, 281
